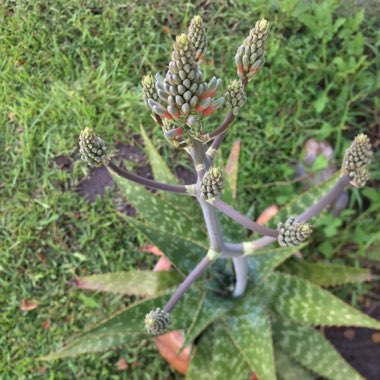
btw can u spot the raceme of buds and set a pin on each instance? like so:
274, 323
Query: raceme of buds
157, 321
360, 177
148, 89
198, 37
235, 96
358, 155
212, 183
92, 148
251, 54
186, 96
293, 232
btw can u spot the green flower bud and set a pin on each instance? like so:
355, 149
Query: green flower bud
198, 37
184, 97
358, 155
157, 321
148, 90
92, 148
212, 183
293, 232
360, 177
251, 54
235, 97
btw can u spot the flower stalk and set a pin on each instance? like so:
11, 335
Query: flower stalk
180, 102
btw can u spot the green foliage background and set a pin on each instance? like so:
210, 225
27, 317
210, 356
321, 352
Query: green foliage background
65, 65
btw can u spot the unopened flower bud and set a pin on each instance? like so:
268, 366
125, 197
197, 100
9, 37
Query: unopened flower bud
360, 177
293, 232
251, 54
212, 183
235, 96
148, 90
157, 321
358, 155
92, 148
198, 37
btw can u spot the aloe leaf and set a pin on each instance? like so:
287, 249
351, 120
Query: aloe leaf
231, 230
268, 259
127, 325
213, 308
157, 211
300, 203
301, 301
160, 170
180, 250
162, 173
250, 329
140, 283
326, 275
288, 369
215, 358
312, 350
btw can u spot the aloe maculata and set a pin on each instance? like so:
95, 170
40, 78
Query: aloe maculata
263, 321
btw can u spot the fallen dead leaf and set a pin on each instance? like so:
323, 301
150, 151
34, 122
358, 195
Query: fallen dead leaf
28, 305
375, 337
122, 365
151, 249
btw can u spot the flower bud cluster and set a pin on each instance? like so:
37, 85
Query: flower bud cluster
92, 148
293, 232
357, 159
148, 90
198, 37
212, 183
235, 97
251, 54
185, 95
157, 321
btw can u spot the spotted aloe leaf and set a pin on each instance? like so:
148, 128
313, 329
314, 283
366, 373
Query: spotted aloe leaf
250, 329
294, 298
215, 358
212, 308
326, 275
158, 211
311, 349
231, 230
268, 259
182, 251
162, 173
140, 283
301, 202
127, 325
288, 369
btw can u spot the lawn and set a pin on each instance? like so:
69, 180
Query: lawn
66, 65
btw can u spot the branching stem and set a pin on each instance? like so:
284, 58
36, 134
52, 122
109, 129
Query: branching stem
243, 220
327, 199
189, 280
179, 189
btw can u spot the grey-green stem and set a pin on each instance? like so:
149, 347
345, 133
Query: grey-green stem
203, 162
243, 220
326, 200
179, 189
189, 280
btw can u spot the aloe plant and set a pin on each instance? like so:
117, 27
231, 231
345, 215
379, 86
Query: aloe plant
262, 318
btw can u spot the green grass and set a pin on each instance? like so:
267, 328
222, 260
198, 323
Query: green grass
65, 65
